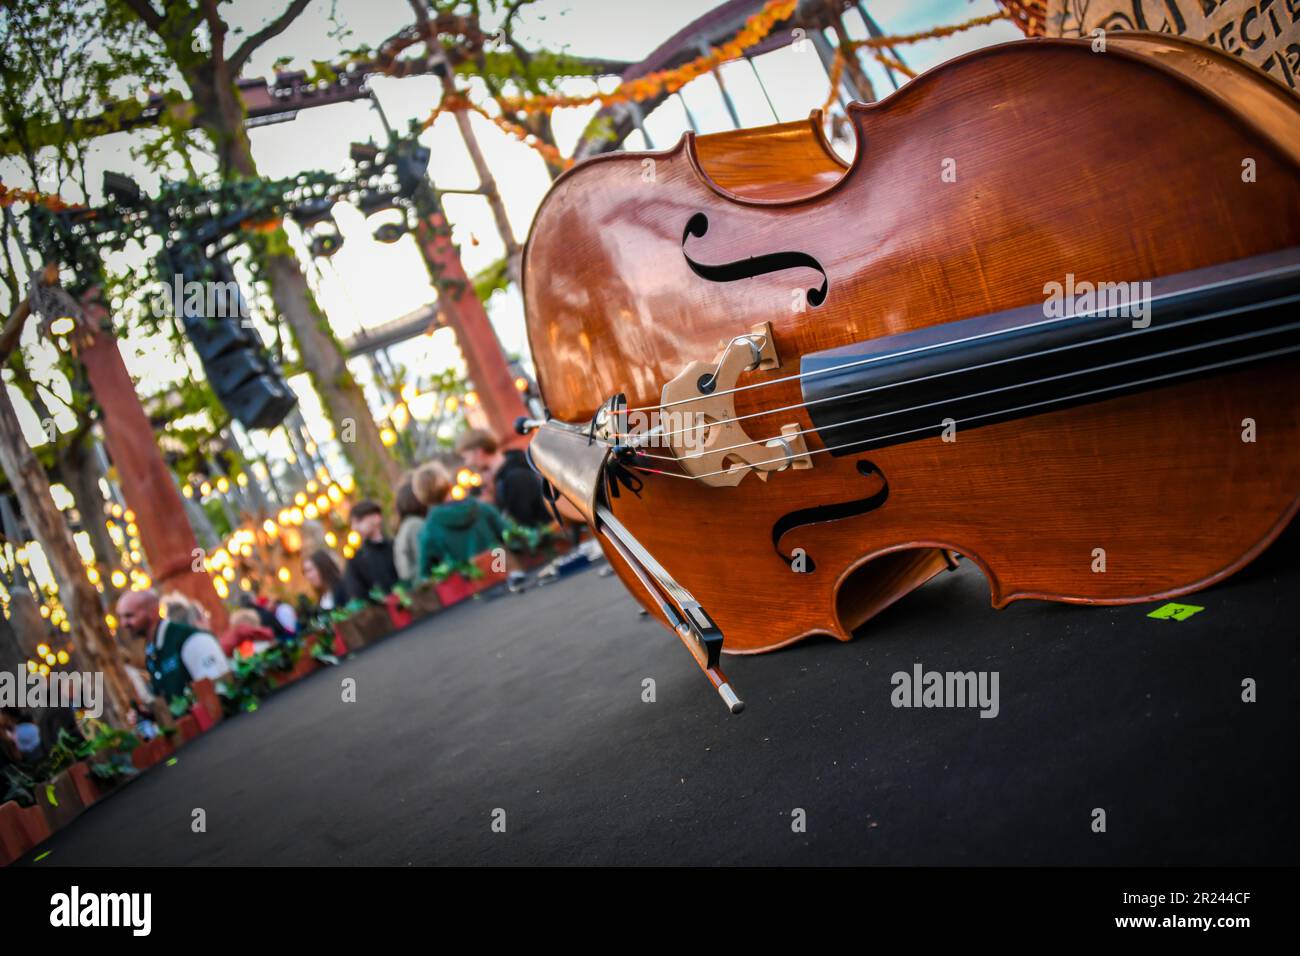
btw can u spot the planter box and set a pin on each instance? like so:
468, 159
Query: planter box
21, 828
208, 702
340, 647
145, 756
301, 668
549, 552
88, 790
34, 825
189, 727
490, 577
453, 590
152, 752
425, 600
456, 587
399, 615
365, 627
59, 800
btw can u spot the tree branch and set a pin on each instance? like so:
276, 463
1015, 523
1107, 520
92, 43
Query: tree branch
13, 328
145, 11
272, 29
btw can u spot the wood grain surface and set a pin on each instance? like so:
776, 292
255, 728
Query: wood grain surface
1115, 167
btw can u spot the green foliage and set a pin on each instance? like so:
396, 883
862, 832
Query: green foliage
19, 787
108, 755
251, 679
530, 539
182, 704
491, 280
70, 71
466, 569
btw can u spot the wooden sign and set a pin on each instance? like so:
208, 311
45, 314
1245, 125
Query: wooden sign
1263, 32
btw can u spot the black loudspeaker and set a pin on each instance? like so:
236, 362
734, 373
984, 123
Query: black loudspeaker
214, 314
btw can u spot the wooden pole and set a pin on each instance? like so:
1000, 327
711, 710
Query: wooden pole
464, 313
145, 481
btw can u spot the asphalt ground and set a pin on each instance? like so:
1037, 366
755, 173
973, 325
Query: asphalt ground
529, 709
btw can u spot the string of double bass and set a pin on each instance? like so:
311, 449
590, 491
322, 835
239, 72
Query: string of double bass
1275, 353
872, 359
971, 368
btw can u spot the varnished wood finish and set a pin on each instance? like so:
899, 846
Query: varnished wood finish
1121, 166
776, 163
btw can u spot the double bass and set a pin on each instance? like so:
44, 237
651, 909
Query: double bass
1046, 320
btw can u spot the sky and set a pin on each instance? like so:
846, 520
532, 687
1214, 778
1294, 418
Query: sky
368, 283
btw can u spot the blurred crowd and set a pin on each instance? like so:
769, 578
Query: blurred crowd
437, 525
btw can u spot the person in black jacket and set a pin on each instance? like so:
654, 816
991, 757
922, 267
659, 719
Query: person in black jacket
371, 568
516, 489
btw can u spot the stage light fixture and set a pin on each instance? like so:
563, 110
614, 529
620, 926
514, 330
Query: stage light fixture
312, 211
390, 232
325, 242
364, 152
123, 190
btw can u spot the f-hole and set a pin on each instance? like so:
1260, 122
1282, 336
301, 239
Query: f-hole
751, 266
847, 509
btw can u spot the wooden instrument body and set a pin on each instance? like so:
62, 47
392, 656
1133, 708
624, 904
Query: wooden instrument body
1122, 166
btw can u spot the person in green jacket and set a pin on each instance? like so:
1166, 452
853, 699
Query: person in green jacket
454, 531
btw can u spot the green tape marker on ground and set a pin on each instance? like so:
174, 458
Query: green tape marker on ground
42, 856
171, 762
49, 795
1175, 612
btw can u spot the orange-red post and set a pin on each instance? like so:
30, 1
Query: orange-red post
484, 359
149, 490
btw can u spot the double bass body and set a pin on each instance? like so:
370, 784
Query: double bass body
972, 188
